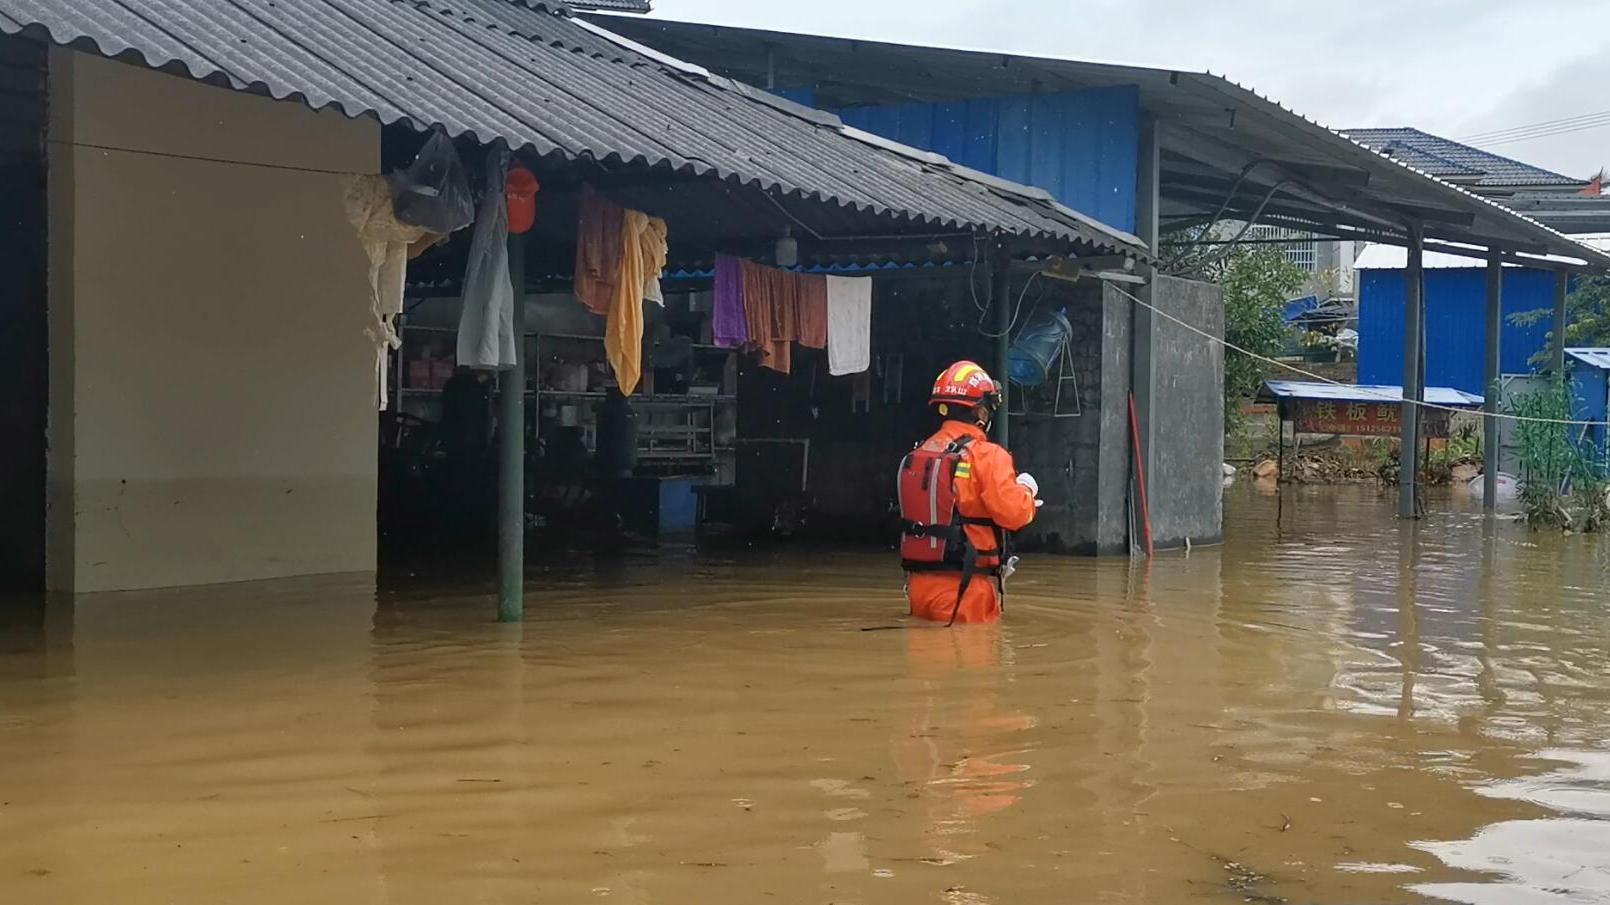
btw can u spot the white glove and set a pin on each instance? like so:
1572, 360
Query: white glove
1027, 480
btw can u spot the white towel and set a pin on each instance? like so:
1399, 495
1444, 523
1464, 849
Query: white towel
849, 325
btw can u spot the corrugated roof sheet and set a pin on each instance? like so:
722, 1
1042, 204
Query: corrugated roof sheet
621, 6
525, 72
1451, 160
1596, 358
1396, 257
1298, 389
1210, 118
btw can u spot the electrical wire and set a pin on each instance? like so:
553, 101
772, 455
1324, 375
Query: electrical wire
1568, 121
1533, 137
1016, 311
203, 159
1365, 391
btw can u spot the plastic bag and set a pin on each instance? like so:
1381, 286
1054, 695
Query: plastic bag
434, 191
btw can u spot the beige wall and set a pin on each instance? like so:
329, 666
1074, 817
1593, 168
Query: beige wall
211, 394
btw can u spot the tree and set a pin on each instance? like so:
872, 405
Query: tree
1587, 317
1257, 282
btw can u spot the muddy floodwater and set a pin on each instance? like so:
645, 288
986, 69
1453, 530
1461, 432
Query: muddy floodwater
1332, 708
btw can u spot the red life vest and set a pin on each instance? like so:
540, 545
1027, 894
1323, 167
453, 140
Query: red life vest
934, 537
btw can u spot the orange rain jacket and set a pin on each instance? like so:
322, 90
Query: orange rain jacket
991, 491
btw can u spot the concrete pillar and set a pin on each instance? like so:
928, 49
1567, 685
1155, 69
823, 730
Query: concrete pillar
1143, 325
511, 455
1495, 315
1413, 376
1562, 285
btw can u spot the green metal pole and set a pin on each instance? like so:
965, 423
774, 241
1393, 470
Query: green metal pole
511, 455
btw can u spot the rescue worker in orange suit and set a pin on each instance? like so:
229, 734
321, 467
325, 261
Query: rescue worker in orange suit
960, 498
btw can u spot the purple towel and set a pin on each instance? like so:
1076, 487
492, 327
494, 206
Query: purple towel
730, 327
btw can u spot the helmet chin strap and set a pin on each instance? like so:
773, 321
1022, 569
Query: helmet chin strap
984, 412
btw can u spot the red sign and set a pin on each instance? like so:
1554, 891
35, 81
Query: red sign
1362, 419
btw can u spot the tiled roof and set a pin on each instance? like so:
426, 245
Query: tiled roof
524, 72
1451, 160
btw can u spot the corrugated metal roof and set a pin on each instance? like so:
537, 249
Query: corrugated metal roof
1595, 358
526, 73
1298, 389
1395, 257
622, 6
1204, 119
1451, 160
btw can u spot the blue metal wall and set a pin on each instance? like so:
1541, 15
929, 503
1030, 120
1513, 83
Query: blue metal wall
1081, 146
1591, 386
1456, 325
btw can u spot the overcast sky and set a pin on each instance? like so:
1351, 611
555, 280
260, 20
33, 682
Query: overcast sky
1451, 67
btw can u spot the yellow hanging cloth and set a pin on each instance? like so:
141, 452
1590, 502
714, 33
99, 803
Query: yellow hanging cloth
643, 255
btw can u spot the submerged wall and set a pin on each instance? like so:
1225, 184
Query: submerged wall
1186, 476
211, 412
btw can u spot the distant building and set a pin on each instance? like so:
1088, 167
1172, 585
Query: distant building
1569, 204
1456, 337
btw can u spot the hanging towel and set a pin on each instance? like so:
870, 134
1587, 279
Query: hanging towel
655, 251
729, 328
486, 320
849, 325
771, 315
643, 242
812, 310
385, 241
599, 239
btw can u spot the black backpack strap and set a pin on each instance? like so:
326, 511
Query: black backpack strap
969, 569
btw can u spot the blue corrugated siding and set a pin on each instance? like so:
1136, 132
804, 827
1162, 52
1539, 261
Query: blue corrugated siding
1591, 386
1456, 327
1081, 146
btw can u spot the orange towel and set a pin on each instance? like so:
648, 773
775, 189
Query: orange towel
813, 310
599, 248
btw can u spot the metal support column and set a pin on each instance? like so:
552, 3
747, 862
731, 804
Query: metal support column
511, 455
1413, 350
1001, 293
1495, 323
1562, 285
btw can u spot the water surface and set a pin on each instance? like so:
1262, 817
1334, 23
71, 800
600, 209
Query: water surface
1332, 708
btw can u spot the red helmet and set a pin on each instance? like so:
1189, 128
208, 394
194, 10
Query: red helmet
965, 383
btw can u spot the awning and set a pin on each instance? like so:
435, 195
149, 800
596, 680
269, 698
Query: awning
526, 73
1332, 392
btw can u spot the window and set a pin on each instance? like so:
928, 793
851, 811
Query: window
1299, 247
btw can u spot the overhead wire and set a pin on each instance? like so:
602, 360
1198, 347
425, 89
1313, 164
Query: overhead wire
1568, 121
1364, 391
198, 158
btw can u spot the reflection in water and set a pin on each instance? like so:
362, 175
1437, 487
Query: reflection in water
1330, 709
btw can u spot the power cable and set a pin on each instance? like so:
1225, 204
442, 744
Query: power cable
1365, 391
203, 159
1531, 127
1550, 134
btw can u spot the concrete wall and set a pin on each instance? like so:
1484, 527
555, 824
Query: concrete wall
1082, 463
1186, 481
211, 387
